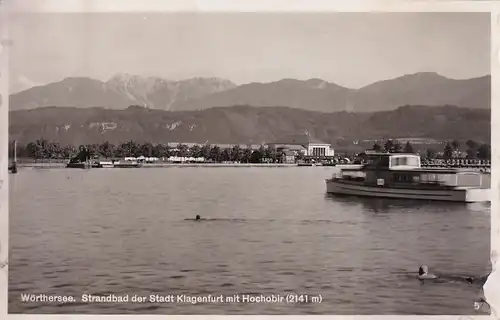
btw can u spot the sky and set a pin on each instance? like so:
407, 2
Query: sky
349, 49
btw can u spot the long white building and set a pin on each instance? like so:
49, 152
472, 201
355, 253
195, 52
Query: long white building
309, 146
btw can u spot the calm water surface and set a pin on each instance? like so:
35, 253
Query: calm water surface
268, 231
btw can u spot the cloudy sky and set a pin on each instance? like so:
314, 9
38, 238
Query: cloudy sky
350, 49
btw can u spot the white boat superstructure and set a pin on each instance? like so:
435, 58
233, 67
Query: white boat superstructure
398, 175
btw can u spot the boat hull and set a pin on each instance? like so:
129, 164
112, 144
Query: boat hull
82, 165
127, 165
78, 165
459, 194
106, 165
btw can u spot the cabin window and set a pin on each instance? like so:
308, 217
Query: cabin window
401, 177
383, 162
413, 161
398, 161
404, 161
380, 161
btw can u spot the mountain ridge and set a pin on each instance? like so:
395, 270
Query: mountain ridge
122, 90
244, 124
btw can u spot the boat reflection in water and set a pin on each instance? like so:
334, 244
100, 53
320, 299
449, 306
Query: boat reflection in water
386, 205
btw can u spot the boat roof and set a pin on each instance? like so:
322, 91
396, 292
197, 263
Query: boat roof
387, 154
428, 170
417, 170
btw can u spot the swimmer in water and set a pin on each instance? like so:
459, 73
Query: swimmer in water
480, 280
423, 273
198, 217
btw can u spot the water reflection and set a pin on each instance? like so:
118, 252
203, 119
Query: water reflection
386, 205
266, 231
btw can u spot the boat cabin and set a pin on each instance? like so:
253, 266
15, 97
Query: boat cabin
394, 161
403, 169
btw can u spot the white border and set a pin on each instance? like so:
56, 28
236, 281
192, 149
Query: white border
4, 158
246, 6
492, 291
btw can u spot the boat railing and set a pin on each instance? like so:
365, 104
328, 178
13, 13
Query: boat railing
350, 174
465, 179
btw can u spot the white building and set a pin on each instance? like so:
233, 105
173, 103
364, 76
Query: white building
309, 146
319, 149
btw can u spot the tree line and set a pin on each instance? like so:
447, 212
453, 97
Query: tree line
43, 149
473, 149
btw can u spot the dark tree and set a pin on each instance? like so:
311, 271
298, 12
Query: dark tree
448, 151
31, 150
215, 154
256, 156
397, 147
226, 154
484, 152
195, 151
455, 145
107, 150
183, 150
236, 153
205, 151
389, 145
408, 147
471, 144
431, 154
271, 153
160, 150
146, 150
471, 153
247, 154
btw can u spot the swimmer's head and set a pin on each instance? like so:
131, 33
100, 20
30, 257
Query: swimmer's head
423, 270
198, 217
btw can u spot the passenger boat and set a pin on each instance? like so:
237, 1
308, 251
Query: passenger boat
398, 175
105, 164
127, 164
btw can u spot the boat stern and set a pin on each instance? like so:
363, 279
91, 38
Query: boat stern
477, 195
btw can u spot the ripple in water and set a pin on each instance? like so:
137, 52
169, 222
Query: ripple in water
266, 231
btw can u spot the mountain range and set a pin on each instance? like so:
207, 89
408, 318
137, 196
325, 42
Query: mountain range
244, 124
123, 90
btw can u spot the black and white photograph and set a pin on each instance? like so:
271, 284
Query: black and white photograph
249, 163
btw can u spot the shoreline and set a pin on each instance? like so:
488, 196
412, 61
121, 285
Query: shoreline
58, 165
167, 165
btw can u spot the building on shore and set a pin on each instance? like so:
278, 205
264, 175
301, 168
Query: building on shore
288, 157
304, 147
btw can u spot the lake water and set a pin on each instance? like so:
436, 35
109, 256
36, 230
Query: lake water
269, 231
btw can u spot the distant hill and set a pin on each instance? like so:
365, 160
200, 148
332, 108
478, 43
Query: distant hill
123, 90
244, 124
429, 89
318, 95
118, 92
